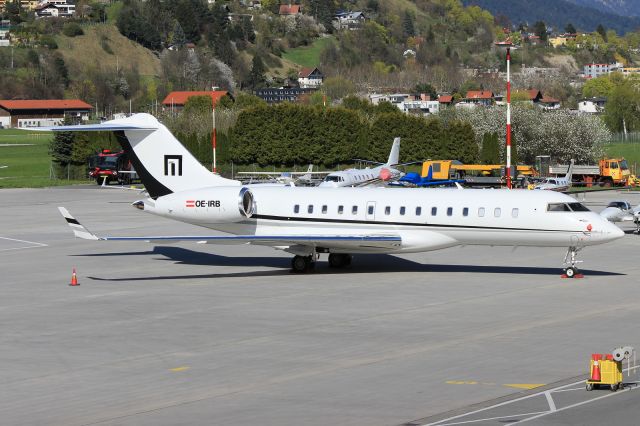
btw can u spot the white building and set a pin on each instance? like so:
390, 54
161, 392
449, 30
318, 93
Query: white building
407, 103
310, 78
55, 9
592, 106
596, 70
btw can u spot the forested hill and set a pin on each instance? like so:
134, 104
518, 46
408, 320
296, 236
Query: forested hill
557, 13
618, 7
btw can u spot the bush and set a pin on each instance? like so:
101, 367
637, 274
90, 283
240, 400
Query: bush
72, 29
48, 41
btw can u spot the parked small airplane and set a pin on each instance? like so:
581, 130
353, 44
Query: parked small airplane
622, 211
309, 221
385, 172
557, 183
287, 178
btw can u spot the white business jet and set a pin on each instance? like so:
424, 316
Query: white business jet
622, 211
288, 178
360, 177
557, 183
339, 221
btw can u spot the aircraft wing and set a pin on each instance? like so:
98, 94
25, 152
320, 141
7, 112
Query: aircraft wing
335, 241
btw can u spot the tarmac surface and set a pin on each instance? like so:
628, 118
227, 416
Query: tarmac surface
202, 334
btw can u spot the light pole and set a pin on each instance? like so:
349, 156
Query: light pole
213, 133
507, 44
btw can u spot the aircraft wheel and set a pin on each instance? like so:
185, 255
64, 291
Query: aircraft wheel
571, 271
614, 387
300, 264
589, 387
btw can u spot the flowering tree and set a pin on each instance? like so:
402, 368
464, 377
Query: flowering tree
562, 134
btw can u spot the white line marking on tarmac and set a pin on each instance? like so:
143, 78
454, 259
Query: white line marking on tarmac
558, 389
577, 404
552, 405
33, 244
568, 390
493, 418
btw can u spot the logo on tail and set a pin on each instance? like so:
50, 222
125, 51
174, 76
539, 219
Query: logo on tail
172, 163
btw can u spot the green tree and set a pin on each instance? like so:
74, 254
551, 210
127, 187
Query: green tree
490, 153
198, 105
570, 29
61, 147
602, 31
596, 87
622, 111
540, 29
256, 78
428, 89
408, 28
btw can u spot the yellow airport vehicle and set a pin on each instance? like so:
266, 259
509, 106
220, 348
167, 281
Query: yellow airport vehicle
473, 174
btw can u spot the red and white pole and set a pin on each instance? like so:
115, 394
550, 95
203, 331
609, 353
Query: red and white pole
508, 118
213, 138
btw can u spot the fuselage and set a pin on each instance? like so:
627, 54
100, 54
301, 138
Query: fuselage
359, 177
425, 219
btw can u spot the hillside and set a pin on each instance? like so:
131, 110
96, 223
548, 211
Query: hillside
618, 7
557, 13
109, 50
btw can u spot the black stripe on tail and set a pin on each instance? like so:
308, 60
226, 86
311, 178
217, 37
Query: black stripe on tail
151, 184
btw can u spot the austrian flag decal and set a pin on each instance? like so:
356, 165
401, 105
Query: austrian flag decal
190, 203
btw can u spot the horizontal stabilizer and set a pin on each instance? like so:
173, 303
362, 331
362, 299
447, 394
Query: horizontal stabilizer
143, 122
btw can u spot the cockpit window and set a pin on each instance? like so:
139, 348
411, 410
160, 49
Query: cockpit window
619, 204
558, 207
330, 178
578, 207
567, 207
624, 165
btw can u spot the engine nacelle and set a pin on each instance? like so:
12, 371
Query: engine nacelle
207, 205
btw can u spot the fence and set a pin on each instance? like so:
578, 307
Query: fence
630, 137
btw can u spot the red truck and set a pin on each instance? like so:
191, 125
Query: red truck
107, 166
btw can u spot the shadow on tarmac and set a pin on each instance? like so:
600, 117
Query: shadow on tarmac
362, 264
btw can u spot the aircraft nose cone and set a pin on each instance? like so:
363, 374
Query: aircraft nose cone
611, 232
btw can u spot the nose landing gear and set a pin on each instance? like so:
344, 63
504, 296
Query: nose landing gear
570, 270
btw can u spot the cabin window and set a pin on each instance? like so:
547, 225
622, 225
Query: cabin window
296, 208
497, 212
370, 210
387, 210
418, 211
434, 211
514, 213
402, 211
436, 167
480, 211
310, 209
324, 209
449, 211
340, 209
354, 210
465, 211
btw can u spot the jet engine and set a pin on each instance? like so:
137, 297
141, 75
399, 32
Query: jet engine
207, 205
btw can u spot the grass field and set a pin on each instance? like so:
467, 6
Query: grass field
27, 166
308, 56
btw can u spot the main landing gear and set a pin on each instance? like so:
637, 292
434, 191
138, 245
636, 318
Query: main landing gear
570, 262
302, 264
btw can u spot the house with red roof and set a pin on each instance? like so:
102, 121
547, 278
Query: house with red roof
42, 112
445, 100
479, 97
310, 78
177, 100
290, 9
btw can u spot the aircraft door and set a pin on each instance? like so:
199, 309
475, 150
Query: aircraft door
371, 210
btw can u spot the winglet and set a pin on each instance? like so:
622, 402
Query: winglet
78, 230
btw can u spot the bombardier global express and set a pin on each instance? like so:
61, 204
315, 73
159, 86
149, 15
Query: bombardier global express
307, 222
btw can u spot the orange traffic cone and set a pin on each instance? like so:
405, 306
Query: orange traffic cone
74, 279
595, 370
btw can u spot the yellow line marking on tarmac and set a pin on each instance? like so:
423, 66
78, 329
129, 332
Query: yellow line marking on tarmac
511, 385
524, 385
179, 369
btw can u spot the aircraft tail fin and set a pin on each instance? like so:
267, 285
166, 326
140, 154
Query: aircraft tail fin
569, 172
394, 155
429, 176
162, 162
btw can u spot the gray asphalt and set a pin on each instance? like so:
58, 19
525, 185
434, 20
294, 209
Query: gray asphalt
193, 334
